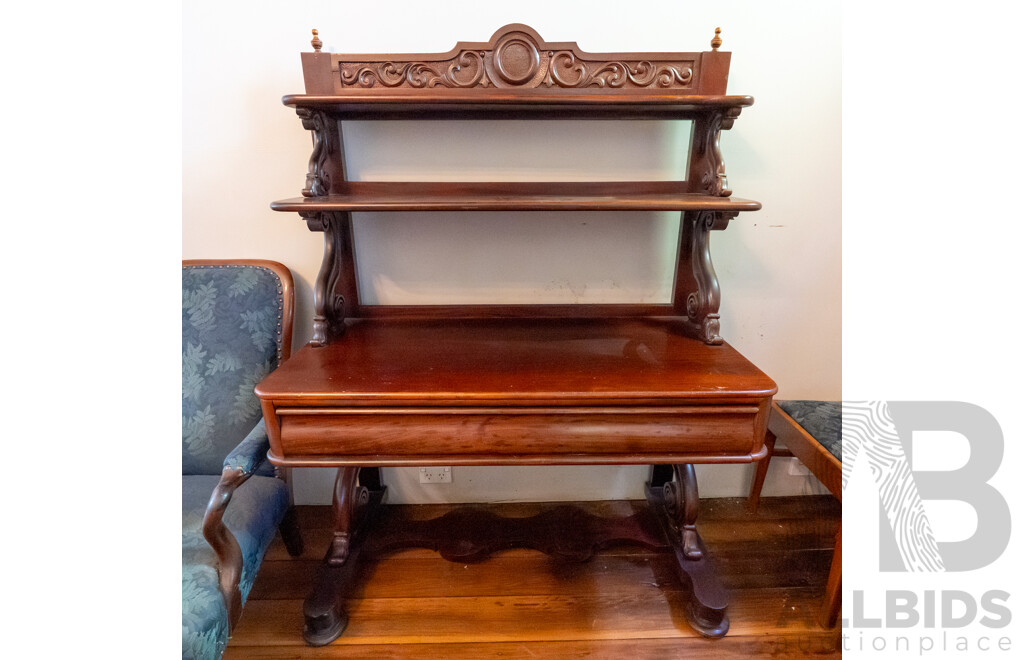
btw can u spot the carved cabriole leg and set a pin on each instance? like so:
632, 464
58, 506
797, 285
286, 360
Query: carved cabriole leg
328, 304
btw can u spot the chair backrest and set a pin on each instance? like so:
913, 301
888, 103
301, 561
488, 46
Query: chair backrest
236, 326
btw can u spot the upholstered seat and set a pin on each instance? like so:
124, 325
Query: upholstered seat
823, 420
812, 432
236, 327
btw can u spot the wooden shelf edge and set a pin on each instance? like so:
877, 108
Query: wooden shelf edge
523, 196
485, 97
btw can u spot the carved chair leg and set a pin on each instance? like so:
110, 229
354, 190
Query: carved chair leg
754, 499
833, 588
291, 534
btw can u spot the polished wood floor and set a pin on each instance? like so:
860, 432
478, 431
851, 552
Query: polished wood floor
625, 602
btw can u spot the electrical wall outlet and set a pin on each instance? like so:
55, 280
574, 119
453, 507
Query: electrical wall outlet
435, 475
797, 469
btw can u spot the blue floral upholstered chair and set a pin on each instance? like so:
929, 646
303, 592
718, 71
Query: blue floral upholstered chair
236, 326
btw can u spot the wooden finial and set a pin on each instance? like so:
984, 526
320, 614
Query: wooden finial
317, 44
715, 43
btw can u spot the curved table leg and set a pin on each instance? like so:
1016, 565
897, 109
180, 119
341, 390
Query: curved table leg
677, 504
325, 617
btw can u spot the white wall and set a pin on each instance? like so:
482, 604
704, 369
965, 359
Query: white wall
779, 268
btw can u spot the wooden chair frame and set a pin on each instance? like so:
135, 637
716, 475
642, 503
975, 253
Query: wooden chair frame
828, 469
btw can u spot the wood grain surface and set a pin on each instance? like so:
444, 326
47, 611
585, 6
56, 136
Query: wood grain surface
624, 602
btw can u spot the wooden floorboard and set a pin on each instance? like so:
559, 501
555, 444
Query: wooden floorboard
625, 602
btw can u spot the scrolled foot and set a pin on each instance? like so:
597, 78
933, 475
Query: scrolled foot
707, 621
711, 329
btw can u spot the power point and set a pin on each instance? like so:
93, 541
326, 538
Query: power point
797, 469
435, 475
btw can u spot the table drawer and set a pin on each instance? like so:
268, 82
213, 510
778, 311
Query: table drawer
713, 431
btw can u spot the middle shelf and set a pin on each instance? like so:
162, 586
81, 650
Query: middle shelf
514, 196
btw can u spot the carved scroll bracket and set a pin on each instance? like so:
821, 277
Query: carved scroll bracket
708, 165
349, 496
703, 303
326, 154
328, 304
683, 503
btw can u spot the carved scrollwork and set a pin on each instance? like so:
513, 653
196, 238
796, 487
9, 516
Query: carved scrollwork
710, 166
706, 144
562, 69
318, 178
328, 306
518, 58
466, 70
613, 74
346, 498
683, 502
702, 305
705, 299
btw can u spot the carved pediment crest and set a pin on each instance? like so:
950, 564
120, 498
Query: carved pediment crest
517, 57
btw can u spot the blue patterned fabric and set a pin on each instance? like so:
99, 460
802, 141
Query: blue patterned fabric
256, 508
823, 420
231, 335
251, 453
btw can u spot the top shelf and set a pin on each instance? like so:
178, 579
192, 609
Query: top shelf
516, 104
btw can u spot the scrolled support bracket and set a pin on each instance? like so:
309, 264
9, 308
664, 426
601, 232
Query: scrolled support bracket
328, 305
708, 165
703, 302
325, 157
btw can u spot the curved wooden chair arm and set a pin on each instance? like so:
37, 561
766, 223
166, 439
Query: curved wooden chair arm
229, 553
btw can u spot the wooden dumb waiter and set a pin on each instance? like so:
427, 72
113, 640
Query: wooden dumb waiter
495, 384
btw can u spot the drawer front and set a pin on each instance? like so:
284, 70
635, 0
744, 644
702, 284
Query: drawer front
713, 431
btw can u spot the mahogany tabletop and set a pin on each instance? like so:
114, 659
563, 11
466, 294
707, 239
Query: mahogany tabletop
508, 362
